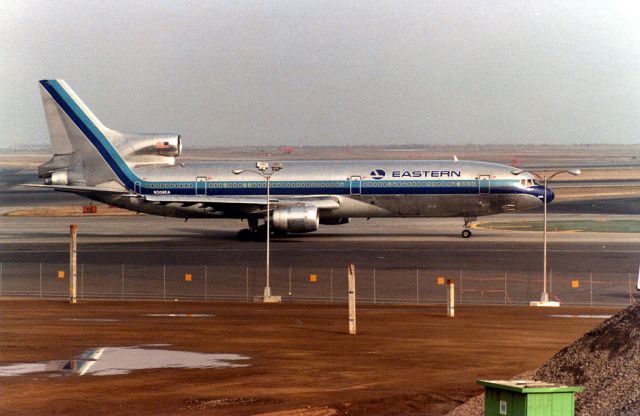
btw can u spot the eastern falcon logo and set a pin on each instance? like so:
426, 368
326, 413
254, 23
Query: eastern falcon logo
377, 174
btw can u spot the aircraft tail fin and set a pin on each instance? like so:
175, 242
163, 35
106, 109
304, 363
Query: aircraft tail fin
82, 154
86, 152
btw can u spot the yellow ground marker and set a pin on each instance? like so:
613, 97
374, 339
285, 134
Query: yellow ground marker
60, 274
440, 280
575, 284
313, 277
187, 277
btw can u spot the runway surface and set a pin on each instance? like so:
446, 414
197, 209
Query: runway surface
398, 243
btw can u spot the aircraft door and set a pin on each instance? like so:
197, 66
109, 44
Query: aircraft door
356, 185
137, 187
201, 185
484, 184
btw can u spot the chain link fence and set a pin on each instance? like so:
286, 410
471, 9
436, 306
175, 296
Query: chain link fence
328, 284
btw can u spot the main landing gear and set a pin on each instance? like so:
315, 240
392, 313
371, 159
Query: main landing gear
257, 232
251, 233
466, 233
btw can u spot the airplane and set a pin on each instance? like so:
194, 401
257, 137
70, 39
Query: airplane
139, 172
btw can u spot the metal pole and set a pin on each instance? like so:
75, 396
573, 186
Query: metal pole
81, 280
205, 283
550, 280
247, 283
267, 289
331, 288
73, 229
629, 288
1, 280
505, 286
289, 280
374, 285
40, 280
545, 295
417, 287
122, 280
164, 282
351, 276
590, 289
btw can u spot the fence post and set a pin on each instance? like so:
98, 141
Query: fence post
289, 280
374, 285
591, 289
40, 280
451, 295
331, 287
505, 286
73, 263
205, 283
351, 277
164, 282
122, 282
417, 287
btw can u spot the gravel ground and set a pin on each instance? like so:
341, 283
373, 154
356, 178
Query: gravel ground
606, 361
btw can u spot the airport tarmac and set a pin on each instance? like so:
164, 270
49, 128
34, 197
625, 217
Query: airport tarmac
294, 357
434, 243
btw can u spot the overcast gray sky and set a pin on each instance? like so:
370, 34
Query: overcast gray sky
319, 72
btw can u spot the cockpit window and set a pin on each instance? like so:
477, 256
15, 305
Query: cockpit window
527, 182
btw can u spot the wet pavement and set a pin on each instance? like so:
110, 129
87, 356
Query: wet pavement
107, 361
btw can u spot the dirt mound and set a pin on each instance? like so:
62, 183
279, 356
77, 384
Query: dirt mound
606, 361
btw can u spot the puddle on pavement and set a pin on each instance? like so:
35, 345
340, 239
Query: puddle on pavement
582, 316
180, 315
123, 360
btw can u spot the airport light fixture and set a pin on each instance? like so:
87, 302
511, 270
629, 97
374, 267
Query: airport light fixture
265, 170
544, 298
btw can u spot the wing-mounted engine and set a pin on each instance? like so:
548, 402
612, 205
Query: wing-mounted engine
144, 149
296, 219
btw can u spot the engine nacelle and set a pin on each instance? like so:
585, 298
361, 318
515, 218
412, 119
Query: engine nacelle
297, 219
58, 177
170, 145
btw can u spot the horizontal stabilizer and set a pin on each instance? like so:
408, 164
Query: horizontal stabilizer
78, 189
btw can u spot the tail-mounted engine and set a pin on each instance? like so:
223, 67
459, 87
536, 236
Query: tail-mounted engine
148, 148
296, 219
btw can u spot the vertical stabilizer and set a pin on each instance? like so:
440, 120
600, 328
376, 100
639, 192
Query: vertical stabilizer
82, 153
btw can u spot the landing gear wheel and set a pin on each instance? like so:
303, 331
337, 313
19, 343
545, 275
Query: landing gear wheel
245, 235
466, 233
261, 233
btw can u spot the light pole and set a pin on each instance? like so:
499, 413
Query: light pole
544, 298
262, 171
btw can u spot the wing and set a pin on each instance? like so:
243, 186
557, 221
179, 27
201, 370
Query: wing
251, 204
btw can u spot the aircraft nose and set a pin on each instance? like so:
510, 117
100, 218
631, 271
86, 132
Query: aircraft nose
550, 195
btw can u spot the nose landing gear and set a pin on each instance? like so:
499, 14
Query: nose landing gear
466, 233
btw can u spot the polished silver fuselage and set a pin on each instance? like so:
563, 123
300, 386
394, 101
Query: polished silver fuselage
408, 188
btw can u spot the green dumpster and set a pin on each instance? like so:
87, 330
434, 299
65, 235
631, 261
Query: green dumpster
528, 398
